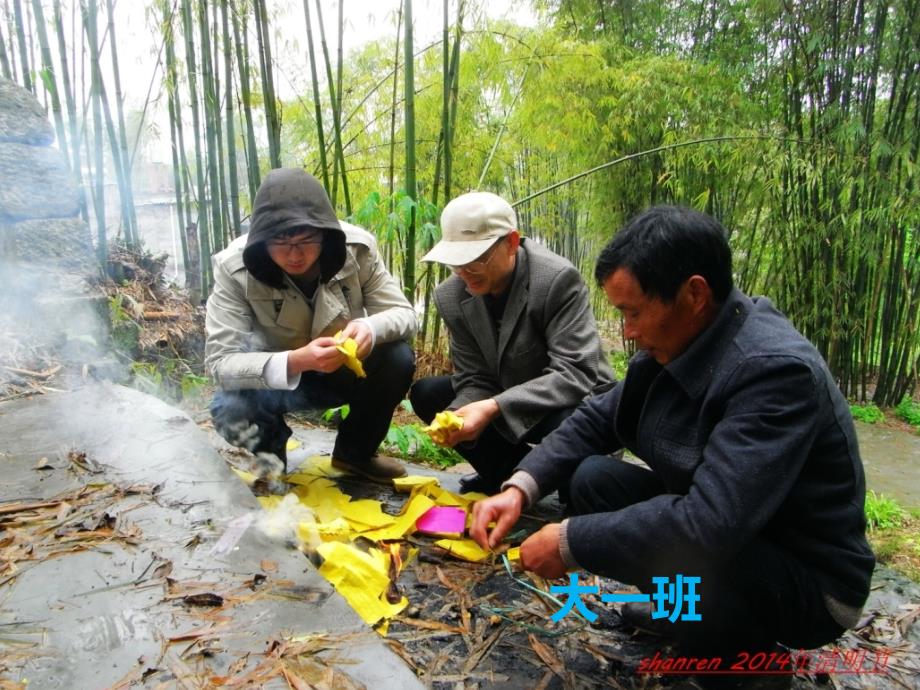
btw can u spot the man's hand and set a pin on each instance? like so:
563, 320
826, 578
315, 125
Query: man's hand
503, 509
476, 417
317, 355
361, 332
540, 552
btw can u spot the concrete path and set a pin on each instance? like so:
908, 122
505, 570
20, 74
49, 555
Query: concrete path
177, 591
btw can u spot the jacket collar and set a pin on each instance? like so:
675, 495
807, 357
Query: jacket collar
694, 369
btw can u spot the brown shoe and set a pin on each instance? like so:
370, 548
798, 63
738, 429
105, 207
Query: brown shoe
379, 468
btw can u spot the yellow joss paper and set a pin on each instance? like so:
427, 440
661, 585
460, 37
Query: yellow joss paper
404, 523
323, 497
442, 424
247, 477
311, 533
407, 484
349, 348
514, 553
362, 578
465, 549
311, 468
366, 514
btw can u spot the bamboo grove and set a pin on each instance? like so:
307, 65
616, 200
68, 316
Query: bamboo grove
796, 122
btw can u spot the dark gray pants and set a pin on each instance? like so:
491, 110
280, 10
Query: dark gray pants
492, 455
372, 400
763, 596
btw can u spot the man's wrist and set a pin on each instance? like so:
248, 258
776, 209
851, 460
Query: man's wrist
526, 484
296, 362
565, 551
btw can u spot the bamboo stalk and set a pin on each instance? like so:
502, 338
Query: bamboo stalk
202, 226
219, 128
175, 131
102, 248
231, 131
268, 83
339, 160
11, 32
317, 108
218, 236
411, 187
442, 150
24, 64
50, 80
126, 189
4, 58
242, 62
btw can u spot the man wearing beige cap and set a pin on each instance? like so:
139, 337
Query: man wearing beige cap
523, 340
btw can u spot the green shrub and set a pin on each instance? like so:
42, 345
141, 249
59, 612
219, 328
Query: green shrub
193, 385
340, 412
870, 414
909, 411
411, 443
125, 331
883, 512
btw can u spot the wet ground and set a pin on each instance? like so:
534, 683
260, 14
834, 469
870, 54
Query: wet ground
126, 560
892, 461
126, 563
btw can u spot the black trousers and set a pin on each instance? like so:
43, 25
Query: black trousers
372, 400
492, 455
762, 596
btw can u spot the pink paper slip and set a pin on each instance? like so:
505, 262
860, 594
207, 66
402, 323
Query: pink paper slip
448, 520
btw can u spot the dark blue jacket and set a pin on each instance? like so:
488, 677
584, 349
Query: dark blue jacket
751, 437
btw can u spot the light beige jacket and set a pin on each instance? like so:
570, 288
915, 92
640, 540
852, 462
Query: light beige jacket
248, 321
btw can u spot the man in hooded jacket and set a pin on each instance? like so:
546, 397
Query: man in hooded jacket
281, 293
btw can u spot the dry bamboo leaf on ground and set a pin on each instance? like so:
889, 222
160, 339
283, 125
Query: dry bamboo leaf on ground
81, 462
397, 648
432, 625
481, 651
211, 630
908, 618
488, 676
545, 680
76, 520
547, 656
204, 599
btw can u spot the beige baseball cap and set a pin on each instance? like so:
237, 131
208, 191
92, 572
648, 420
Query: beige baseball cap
470, 224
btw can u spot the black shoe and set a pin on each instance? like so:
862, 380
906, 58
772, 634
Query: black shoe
638, 614
474, 482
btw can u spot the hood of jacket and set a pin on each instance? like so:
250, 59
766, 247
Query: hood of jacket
290, 198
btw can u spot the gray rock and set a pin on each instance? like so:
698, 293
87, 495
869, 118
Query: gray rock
64, 242
22, 119
35, 183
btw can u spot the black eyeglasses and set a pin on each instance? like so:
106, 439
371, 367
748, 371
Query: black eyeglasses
288, 248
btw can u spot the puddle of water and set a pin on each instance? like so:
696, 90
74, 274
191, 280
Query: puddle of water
892, 461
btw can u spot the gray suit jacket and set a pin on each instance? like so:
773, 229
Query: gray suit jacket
548, 355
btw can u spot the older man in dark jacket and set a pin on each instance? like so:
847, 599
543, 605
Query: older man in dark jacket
753, 481
523, 340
